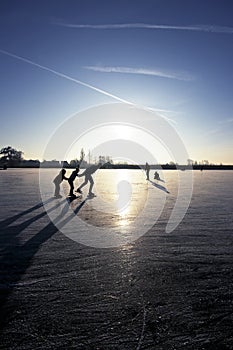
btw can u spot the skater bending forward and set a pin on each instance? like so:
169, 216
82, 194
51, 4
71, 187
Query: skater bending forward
88, 178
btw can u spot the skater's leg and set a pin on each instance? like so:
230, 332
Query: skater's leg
91, 184
83, 184
71, 188
57, 190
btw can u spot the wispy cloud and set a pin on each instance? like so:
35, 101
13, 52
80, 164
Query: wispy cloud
161, 113
143, 71
221, 127
226, 121
196, 27
212, 132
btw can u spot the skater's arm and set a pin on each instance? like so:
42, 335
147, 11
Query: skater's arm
80, 175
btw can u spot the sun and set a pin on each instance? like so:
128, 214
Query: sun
123, 131
108, 132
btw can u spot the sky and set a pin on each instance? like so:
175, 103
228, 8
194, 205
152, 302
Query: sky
174, 58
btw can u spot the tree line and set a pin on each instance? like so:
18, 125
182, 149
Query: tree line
11, 157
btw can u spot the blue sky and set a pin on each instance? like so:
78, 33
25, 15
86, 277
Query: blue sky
58, 58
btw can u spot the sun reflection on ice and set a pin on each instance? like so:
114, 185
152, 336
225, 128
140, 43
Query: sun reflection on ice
121, 196
130, 201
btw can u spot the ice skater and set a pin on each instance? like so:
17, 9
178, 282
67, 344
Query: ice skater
88, 178
156, 176
71, 179
57, 181
147, 170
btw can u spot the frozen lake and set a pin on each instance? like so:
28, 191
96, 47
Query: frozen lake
106, 273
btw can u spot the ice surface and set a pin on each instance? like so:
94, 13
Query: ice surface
160, 291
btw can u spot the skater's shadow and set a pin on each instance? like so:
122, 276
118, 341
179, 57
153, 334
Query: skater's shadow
16, 257
10, 220
160, 187
161, 180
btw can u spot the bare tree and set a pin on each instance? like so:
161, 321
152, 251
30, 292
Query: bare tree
82, 155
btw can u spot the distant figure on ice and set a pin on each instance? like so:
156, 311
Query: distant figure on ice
88, 178
156, 176
147, 170
71, 181
57, 181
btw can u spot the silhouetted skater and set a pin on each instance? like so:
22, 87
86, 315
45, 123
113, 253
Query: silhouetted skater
71, 181
88, 177
57, 181
156, 176
147, 170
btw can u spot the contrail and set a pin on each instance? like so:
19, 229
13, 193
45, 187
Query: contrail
65, 76
75, 80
